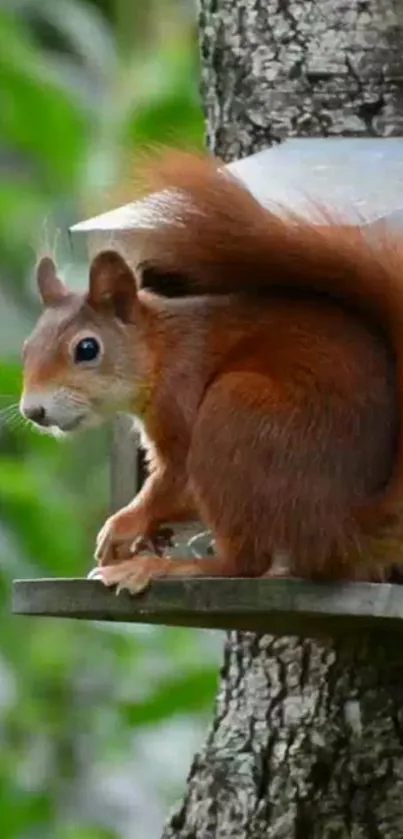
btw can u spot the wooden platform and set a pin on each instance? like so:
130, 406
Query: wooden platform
279, 607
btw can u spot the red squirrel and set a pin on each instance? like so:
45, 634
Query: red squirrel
262, 355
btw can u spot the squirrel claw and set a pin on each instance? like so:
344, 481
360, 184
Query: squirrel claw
94, 574
133, 575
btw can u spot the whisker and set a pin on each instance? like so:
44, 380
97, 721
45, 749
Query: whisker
17, 422
7, 414
10, 409
12, 418
8, 418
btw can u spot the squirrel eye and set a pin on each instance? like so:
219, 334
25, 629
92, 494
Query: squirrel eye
88, 349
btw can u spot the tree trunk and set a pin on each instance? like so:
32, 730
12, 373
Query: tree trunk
307, 737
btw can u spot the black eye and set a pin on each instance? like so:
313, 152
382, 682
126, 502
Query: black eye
87, 349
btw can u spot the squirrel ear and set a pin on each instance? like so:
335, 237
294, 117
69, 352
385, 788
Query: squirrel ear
50, 287
112, 285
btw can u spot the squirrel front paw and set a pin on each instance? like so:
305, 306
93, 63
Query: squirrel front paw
116, 537
124, 534
133, 575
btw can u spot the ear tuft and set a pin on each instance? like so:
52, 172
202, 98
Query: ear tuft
112, 285
50, 287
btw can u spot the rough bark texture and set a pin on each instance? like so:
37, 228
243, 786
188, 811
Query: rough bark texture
306, 744
277, 68
307, 737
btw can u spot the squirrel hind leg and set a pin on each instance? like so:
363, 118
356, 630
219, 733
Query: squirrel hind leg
264, 484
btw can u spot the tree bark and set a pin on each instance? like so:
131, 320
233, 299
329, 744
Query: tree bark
278, 68
307, 737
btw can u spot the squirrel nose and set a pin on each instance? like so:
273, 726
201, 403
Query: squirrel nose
37, 414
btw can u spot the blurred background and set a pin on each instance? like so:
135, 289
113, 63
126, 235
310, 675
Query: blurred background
98, 723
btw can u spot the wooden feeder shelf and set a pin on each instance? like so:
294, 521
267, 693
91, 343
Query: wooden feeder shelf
278, 607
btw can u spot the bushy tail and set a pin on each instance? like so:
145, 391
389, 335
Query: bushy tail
209, 236
207, 229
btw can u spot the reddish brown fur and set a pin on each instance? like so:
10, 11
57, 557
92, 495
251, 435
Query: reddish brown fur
232, 244
276, 384
280, 446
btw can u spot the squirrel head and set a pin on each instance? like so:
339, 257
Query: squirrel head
85, 359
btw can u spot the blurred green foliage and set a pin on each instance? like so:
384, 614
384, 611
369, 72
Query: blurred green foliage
97, 722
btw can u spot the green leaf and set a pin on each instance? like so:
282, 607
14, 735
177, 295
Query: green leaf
37, 116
